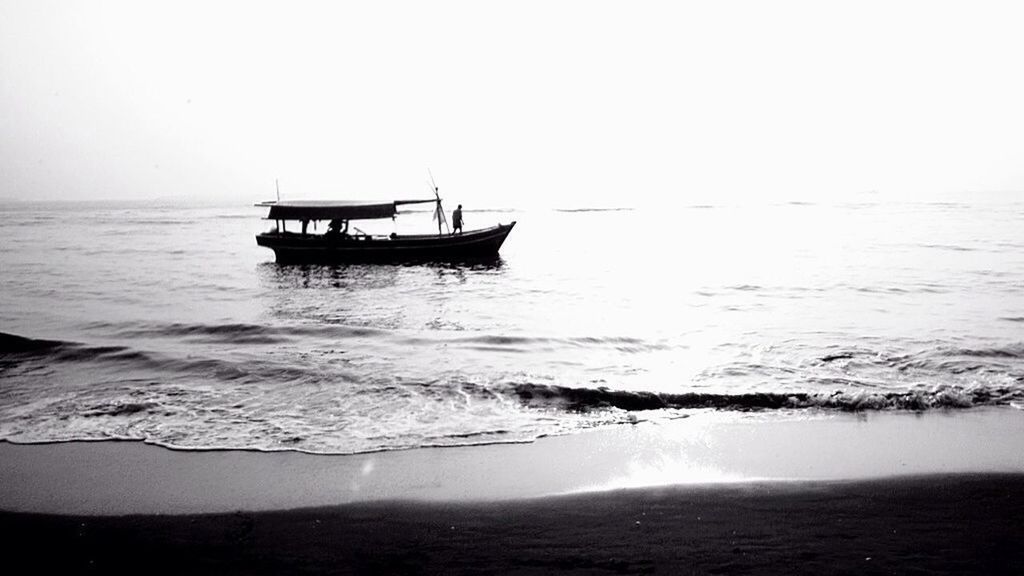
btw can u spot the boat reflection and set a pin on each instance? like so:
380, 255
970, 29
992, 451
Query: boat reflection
285, 276
387, 296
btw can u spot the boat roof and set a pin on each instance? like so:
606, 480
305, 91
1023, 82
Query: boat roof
332, 209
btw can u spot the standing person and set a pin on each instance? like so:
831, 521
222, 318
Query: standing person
457, 220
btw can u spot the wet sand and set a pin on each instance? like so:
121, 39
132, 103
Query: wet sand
708, 448
933, 493
963, 524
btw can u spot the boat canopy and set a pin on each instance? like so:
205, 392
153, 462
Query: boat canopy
340, 210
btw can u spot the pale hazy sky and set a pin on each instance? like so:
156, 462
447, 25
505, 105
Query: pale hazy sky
512, 103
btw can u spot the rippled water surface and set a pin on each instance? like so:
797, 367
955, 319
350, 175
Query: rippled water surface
168, 324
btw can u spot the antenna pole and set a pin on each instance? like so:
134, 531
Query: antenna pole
440, 211
278, 187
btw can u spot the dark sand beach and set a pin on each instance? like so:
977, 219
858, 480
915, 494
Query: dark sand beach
962, 524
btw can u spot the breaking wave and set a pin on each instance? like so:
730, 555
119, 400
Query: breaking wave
13, 346
188, 386
812, 387
584, 399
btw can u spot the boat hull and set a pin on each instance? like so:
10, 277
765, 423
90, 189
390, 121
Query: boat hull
291, 248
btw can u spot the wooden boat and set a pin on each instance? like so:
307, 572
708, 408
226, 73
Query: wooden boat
339, 245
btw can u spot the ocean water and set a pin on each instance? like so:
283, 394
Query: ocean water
166, 323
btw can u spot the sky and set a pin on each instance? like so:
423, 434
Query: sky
510, 104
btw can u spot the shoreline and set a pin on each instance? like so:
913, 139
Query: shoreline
932, 493
707, 448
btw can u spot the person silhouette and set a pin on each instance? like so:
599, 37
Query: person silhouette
457, 220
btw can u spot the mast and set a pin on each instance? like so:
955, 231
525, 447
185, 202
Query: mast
438, 210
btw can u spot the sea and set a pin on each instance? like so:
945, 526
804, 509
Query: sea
163, 322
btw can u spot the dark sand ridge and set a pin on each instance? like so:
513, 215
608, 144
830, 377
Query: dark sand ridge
885, 493
959, 524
